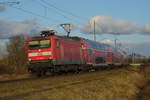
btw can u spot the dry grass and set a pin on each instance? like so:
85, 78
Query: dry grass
5, 77
121, 84
115, 86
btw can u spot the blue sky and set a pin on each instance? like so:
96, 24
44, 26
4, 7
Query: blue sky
135, 11
132, 10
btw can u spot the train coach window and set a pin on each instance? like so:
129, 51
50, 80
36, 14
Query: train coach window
100, 60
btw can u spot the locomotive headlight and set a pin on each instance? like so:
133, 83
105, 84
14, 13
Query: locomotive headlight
47, 53
29, 59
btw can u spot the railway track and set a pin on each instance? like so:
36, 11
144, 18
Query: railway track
48, 76
22, 95
17, 80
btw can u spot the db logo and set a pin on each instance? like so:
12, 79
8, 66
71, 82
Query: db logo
39, 54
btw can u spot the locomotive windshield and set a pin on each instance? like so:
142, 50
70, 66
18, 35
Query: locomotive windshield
36, 44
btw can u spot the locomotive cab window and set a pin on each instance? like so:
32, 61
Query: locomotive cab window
36, 44
44, 43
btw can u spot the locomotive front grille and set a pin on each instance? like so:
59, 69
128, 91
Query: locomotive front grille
33, 65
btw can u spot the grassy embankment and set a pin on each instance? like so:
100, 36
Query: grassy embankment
114, 85
120, 84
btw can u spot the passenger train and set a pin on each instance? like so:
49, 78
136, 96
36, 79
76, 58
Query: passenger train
53, 53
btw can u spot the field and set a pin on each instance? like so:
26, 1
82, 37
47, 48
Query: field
115, 84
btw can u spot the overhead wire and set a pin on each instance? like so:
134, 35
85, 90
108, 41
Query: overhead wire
50, 8
66, 12
35, 14
69, 19
61, 10
45, 8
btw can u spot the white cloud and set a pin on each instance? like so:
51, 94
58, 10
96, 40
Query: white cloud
2, 8
107, 41
108, 25
12, 28
146, 28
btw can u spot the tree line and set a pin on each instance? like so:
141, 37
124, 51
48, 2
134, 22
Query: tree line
15, 61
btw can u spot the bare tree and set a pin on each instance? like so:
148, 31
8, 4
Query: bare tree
16, 53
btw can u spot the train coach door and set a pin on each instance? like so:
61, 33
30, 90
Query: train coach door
89, 55
57, 49
86, 53
109, 57
83, 54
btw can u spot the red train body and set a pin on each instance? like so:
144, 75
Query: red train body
60, 53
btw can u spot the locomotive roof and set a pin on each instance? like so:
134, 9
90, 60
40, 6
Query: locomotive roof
70, 38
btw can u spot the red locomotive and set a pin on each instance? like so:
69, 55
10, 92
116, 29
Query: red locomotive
53, 53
